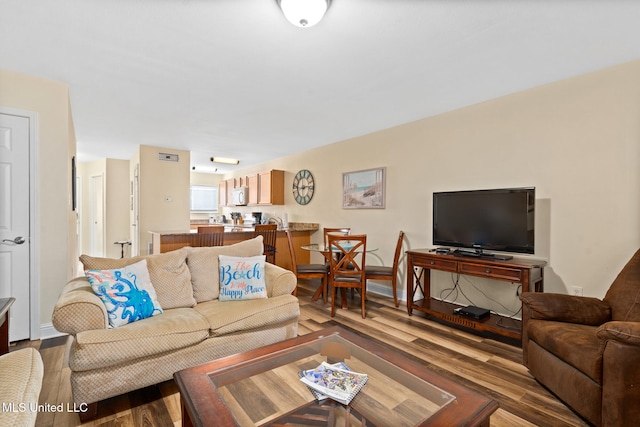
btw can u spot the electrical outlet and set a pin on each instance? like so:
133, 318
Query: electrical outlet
576, 291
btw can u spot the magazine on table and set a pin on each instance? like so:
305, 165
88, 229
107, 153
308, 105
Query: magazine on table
335, 381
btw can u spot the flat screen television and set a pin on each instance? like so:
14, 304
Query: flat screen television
499, 219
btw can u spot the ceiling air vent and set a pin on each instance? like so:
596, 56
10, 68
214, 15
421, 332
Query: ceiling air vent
168, 157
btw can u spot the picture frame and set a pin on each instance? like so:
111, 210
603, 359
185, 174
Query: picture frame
74, 196
364, 189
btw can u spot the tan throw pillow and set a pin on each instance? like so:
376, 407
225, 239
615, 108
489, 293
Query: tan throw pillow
205, 268
168, 272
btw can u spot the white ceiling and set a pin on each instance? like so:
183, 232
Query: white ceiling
233, 78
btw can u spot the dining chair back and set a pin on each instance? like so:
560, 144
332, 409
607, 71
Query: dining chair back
269, 233
211, 228
380, 272
308, 271
343, 231
210, 239
347, 261
340, 231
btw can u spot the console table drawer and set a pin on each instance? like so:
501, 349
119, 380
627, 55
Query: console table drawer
500, 273
439, 264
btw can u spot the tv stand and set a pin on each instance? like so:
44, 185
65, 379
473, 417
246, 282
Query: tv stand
480, 254
517, 270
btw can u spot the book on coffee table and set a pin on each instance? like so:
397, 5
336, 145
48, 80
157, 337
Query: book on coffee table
336, 381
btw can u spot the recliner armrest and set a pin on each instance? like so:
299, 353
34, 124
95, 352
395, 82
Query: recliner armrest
566, 308
624, 332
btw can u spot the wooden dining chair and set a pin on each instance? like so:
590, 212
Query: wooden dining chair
269, 233
308, 271
211, 228
210, 239
343, 231
347, 267
380, 272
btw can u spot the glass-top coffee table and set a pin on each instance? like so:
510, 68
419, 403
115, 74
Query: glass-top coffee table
262, 387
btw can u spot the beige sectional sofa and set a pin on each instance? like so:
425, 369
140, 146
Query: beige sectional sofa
21, 372
194, 328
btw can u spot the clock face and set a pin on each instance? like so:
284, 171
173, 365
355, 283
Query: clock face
303, 186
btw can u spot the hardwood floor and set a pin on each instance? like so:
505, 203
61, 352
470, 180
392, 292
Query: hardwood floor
487, 366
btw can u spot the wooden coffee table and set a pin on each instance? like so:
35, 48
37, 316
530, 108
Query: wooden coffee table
262, 387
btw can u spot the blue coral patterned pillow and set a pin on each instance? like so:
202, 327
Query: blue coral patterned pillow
126, 292
241, 278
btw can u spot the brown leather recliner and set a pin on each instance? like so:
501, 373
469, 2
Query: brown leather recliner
587, 351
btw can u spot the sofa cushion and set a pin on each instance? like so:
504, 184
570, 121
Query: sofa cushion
239, 316
577, 345
127, 293
22, 372
242, 278
168, 272
205, 269
174, 329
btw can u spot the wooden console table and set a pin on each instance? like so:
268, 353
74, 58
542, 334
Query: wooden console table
5, 303
516, 270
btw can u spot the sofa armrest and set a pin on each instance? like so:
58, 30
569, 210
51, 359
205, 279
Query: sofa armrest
565, 308
624, 332
22, 372
279, 281
79, 309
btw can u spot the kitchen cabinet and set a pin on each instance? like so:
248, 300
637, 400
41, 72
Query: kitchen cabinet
231, 184
265, 188
271, 187
252, 183
222, 193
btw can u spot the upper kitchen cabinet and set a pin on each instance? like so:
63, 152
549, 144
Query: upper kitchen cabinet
270, 188
252, 183
264, 188
222, 193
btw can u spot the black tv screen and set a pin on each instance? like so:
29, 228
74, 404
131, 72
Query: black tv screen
500, 219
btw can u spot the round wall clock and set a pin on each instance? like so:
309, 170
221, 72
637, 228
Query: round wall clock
303, 187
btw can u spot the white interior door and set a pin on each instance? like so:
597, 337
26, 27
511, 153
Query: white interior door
97, 215
14, 222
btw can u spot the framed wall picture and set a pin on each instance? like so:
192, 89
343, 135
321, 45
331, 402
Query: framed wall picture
364, 189
74, 196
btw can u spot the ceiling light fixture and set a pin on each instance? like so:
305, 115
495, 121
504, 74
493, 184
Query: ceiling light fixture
304, 13
225, 160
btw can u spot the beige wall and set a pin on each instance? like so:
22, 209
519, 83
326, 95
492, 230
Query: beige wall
118, 203
115, 174
56, 146
164, 192
577, 141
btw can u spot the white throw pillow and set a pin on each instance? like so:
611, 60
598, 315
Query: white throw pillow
127, 293
242, 278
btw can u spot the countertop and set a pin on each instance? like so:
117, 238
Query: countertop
244, 228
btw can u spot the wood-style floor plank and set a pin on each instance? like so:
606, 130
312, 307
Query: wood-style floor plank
489, 367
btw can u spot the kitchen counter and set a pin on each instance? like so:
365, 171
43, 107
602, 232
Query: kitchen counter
165, 241
229, 227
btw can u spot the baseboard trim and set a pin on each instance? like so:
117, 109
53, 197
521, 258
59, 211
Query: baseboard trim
48, 331
379, 289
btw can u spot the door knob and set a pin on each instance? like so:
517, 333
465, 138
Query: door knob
17, 241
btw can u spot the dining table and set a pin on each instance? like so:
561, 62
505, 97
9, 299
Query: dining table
326, 252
